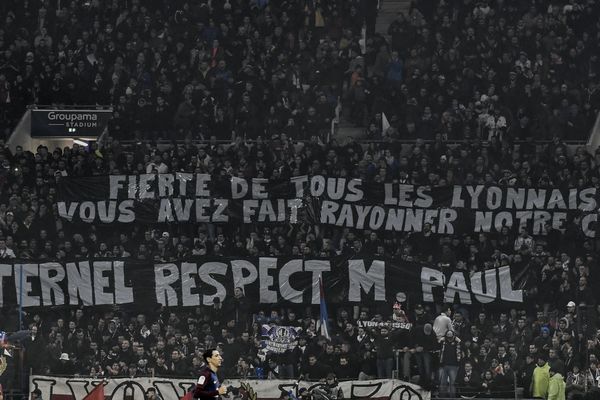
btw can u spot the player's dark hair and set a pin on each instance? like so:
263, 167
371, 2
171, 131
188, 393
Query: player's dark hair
208, 354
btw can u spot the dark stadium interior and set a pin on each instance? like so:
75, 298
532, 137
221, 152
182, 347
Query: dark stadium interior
431, 94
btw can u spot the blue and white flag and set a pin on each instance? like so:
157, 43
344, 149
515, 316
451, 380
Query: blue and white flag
323, 324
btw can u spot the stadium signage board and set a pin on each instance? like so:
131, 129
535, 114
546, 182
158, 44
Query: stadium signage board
69, 123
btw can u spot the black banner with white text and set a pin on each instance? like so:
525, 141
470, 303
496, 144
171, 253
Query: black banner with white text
264, 280
193, 198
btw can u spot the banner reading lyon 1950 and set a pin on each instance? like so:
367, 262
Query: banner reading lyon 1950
186, 197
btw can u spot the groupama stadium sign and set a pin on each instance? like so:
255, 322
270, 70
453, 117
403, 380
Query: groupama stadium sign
68, 123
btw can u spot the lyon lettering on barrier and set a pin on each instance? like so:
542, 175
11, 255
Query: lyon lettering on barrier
60, 388
266, 280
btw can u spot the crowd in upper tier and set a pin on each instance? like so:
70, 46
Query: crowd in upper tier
516, 79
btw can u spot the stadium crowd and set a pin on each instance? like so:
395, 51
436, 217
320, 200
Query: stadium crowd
488, 69
180, 68
489, 346
501, 74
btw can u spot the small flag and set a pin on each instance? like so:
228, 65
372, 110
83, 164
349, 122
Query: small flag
4, 345
96, 394
188, 396
385, 124
324, 319
363, 40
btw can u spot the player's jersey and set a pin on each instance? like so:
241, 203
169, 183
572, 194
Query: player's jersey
207, 387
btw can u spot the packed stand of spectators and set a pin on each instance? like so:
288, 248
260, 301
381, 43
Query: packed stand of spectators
489, 346
463, 353
269, 71
485, 69
173, 69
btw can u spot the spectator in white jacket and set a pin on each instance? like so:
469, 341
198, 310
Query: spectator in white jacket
443, 323
6, 252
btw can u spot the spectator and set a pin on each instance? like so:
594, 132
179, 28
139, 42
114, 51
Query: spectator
65, 366
346, 370
556, 387
424, 343
450, 359
384, 345
332, 388
510, 83
237, 306
368, 365
6, 252
468, 381
443, 323
489, 385
540, 378
526, 373
575, 383
314, 370
35, 354
177, 365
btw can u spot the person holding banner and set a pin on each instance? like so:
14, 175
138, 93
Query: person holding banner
208, 386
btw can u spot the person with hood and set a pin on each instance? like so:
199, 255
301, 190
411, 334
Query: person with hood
556, 387
540, 378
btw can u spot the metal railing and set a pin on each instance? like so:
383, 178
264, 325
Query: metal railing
69, 107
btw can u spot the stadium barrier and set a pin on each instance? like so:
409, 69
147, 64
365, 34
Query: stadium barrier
76, 388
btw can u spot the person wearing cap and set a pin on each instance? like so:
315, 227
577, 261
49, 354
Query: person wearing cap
543, 341
540, 378
421, 317
65, 365
556, 385
450, 359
